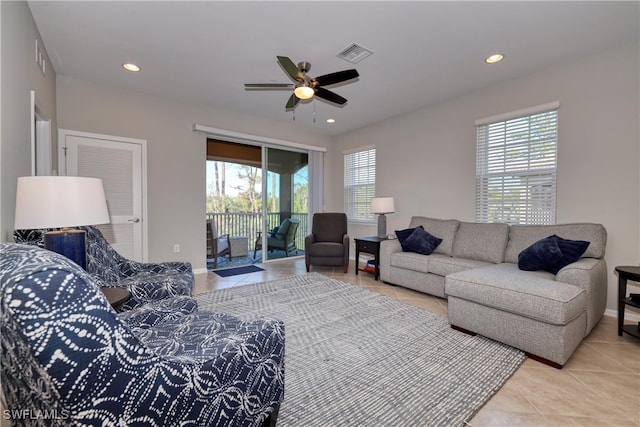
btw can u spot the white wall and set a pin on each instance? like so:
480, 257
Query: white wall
19, 76
176, 173
426, 160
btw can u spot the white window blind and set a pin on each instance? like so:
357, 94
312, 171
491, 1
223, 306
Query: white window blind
516, 169
359, 183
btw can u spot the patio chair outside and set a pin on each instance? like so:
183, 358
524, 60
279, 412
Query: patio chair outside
216, 245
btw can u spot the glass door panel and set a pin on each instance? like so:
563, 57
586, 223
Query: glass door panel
286, 201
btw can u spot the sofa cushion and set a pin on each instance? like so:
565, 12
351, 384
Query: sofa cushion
420, 241
326, 249
522, 236
530, 294
481, 241
411, 261
443, 265
540, 255
444, 229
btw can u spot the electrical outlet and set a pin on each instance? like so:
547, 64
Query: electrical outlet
176, 248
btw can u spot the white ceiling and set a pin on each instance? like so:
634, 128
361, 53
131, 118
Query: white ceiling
424, 51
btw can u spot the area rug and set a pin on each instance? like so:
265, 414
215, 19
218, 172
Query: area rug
237, 270
358, 358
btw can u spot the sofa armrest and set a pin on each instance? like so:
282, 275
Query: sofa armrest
146, 288
345, 244
589, 274
310, 238
130, 268
387, 247
149, 315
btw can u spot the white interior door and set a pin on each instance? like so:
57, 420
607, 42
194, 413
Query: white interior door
120, 163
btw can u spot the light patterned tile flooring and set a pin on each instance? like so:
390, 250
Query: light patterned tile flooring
599, 385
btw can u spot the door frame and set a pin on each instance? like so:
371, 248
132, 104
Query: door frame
41, 163
315, 193
62, 167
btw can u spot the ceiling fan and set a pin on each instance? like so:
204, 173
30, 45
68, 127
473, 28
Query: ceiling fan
306, 87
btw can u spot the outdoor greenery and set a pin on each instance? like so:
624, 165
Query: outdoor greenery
237, 188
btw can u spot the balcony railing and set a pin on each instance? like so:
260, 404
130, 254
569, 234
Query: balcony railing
249, 224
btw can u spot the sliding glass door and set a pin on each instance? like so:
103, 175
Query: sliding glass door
261, 198
286, 202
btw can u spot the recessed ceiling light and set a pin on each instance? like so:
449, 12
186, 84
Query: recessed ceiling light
497, 57
331, 120
131, 67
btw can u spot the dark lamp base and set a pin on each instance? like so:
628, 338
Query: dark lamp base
70, 243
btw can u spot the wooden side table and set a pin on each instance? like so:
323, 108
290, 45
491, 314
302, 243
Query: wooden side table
369, 245
116, 296
627, 273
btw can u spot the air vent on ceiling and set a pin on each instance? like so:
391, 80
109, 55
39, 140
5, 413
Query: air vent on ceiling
354, 53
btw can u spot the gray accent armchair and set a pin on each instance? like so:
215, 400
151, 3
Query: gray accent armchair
328, 243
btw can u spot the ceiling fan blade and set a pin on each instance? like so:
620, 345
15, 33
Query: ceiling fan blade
292, 102
268, 86
290, 68
337, 77
330, 96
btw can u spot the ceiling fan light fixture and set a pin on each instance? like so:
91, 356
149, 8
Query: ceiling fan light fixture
496, 57
131, 67
304, 92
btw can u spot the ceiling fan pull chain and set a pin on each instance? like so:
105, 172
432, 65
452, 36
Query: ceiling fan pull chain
314, 110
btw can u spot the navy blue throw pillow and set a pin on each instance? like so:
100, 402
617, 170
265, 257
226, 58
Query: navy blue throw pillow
421, 241
403, 234
540, 255
571, 250
551, 254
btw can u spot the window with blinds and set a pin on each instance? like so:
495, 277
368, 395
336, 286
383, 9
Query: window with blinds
516, 169
359, 183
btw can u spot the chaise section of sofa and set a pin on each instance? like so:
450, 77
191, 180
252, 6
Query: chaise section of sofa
476, 268
532, 312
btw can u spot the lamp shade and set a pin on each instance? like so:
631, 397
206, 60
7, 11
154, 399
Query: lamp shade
382, 205
59, 201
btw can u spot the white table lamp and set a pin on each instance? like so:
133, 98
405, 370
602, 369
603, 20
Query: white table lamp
61, 202
382, 206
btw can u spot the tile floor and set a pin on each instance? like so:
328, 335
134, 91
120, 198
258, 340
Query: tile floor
599, 385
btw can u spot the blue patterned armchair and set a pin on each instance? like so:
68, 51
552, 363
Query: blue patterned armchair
70, 359
147, 282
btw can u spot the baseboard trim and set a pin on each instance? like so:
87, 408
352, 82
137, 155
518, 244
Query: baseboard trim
628, 315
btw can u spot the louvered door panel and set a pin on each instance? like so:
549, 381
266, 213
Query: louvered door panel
119, 165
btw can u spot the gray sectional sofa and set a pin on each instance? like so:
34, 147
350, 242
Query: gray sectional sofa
476, 268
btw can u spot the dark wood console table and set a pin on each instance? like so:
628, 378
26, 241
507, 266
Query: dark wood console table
369, 245
627, 273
